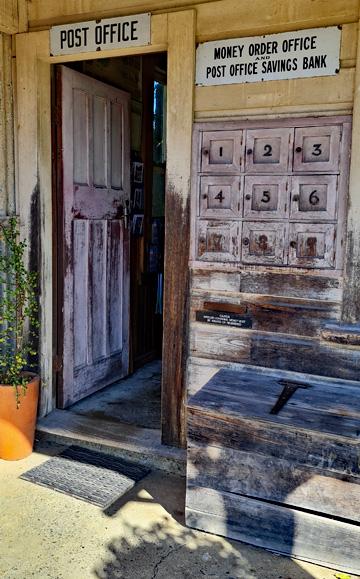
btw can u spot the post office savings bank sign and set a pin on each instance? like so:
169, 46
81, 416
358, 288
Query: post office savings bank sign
303, 53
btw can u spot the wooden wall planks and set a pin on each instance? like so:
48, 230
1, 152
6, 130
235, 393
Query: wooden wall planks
280, 481
255, 475
284, 530
272, 314
297, 95
295, 353
215, 19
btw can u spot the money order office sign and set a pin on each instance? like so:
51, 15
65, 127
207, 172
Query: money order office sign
298, 54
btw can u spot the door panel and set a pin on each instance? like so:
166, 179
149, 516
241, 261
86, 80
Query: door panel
266, 197
312, 245
268, 150
317, 149
219, 240
222, 152
96, 188
220, 196
264, 243
314, 197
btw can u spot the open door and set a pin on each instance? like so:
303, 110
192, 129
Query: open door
94, 270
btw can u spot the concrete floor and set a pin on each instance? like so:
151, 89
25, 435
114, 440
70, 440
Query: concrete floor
134, 400
45, 534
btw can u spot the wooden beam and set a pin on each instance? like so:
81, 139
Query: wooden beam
7, 169
9, 20
231, 18
43, 13
351, 296
240, 99
181, 70
34, 184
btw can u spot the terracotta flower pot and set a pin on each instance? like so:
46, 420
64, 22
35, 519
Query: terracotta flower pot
17, 425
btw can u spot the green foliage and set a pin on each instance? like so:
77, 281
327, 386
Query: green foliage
18, 309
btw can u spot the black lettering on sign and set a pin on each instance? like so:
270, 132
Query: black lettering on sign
266, 197
220, 197
224, 319
268, 151
317, 150
314, 199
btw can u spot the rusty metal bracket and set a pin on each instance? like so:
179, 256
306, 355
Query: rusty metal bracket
287, 392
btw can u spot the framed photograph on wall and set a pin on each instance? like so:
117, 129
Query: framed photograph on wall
138, 225
138, 172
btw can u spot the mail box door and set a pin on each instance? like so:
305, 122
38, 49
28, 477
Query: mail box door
222, 152
266, 197
264, 243
312, 245
218, 240
314, 197
317, 149
220, 196
268, 150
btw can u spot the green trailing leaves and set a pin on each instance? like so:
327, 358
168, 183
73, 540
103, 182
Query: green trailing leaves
18, 309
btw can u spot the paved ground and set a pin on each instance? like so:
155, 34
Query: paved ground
134, 400
45, 534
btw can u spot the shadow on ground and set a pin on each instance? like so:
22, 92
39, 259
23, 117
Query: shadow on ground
166, 549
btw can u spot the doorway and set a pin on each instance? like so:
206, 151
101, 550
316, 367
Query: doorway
113, 293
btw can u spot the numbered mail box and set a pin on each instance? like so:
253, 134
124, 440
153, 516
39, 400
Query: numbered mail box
266, 197
312, 245
268, 150
220, 196
222, 152
317, 149
219, 240
264, 243
314, 197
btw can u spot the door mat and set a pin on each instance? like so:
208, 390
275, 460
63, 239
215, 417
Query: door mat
86, 474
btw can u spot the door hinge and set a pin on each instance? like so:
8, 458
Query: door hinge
57, 363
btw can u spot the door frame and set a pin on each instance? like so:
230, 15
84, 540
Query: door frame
173, 33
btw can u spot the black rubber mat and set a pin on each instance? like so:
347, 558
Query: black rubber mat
89, 475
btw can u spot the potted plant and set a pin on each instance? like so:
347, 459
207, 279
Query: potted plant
19, 388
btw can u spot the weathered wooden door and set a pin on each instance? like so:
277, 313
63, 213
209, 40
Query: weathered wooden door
95, 245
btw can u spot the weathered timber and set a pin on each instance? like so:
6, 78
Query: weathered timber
268, 283
281, 351
325, 406
281, 529
346, 334
271, 314
289, 481
181, 65
300, 446
259, 476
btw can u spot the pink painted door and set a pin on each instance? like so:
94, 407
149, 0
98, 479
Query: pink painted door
96, 267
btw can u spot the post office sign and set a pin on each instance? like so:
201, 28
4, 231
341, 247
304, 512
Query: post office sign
97, 35
303, 53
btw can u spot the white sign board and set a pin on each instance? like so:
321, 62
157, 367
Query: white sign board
100, 35
303, 53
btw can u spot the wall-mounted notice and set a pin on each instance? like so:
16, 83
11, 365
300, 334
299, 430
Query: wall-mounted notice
104, 34
303, 53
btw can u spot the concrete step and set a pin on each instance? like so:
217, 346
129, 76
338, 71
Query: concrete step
140, 445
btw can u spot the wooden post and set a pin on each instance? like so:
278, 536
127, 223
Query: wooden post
181, 70
351, 297
34, 190
7, 170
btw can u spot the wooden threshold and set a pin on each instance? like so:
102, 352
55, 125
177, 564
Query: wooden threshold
142, 445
